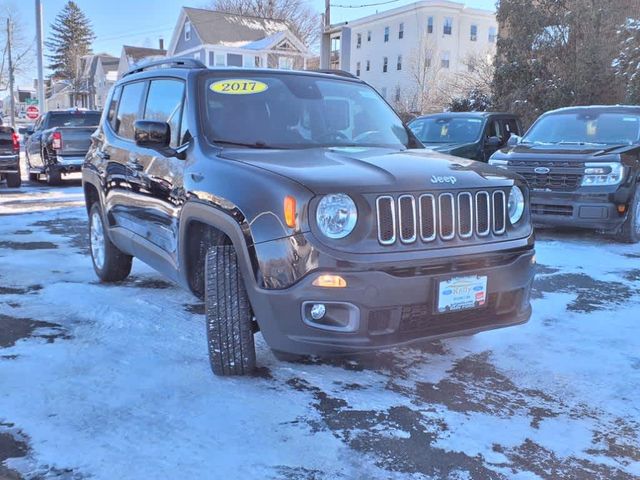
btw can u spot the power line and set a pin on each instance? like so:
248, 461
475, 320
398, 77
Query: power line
364, 5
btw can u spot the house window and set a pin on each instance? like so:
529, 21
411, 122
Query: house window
430, 25
212, 59
247, 61
493, 33
258, 61
401, 31
474, 33
368, 35
220, 59
397, 95
399, 64
383, 92
187, 30
234, 60
285, 63
445, 60
448, 26
368, 65
359, 40
385, 62
357, 69
386, 34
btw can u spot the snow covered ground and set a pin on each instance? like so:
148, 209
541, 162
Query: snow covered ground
109, 382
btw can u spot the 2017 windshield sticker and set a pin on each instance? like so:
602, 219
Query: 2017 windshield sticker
238, 86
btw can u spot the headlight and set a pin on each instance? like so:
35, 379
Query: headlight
499, 163
602, 174
515, 205
336, 215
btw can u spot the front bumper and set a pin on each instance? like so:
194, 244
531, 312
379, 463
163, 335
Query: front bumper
9, 163
390, 307
580, 209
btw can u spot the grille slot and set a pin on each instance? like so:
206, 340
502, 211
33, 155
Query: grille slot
427, 217
407, 218
440, 217
386, 220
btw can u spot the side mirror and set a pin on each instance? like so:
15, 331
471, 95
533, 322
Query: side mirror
513, 140
493, 142
155, 136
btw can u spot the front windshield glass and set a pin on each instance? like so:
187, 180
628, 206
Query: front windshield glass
447, 130
585, 128
298, 111
74, 119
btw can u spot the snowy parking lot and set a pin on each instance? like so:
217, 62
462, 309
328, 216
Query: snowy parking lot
113, 381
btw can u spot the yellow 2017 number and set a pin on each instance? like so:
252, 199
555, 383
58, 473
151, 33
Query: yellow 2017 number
238, 86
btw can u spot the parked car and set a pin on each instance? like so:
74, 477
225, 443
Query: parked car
474, 135
299, 205
58, 143
10, 157
583, 167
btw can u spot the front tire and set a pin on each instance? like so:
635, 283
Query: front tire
14, 180
630, 230
110, 264
229, 319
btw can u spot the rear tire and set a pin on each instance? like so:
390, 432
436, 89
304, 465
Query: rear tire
14, 180
110, 264
630, 230
54, 177
229, 328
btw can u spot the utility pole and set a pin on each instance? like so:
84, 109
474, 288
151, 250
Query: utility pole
12, 101
41, 103
325, 41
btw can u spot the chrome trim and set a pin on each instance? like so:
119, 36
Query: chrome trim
393, 219
433, 216
504, 212
413, 212
489, 208
453, 216
470, 234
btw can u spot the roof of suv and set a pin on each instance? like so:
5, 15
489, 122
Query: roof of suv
467, 114
597, 109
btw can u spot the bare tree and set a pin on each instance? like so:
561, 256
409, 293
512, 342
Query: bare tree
21, 46
302, 19
425, 74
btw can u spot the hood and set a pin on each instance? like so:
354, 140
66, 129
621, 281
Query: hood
446, 147
373, 170
525, 150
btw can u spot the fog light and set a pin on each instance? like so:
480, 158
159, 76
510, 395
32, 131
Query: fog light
318, 311
330, 281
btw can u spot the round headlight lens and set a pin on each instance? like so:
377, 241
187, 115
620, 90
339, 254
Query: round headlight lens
336, 215
516, 205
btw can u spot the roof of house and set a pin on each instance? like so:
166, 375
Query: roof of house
135, 54
215, 27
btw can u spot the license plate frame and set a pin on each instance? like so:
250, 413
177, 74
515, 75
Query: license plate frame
461, 293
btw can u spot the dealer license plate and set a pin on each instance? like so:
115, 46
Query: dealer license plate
462, 293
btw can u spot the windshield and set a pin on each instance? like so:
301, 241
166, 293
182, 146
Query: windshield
301, 111
447, 130
74, 119
585, 128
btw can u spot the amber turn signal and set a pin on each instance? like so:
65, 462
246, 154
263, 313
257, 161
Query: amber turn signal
330, 281
622, 208
290, 211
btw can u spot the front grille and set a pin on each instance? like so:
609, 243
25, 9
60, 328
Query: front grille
553, 181
558, 210
443, 216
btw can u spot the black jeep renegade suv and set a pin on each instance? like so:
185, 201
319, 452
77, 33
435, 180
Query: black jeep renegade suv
297, 204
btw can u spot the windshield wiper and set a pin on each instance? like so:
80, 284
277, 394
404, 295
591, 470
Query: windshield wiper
257, 144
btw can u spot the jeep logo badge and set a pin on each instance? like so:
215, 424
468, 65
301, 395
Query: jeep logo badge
452, 180
541, 170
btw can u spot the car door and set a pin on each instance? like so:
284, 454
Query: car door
157, 183
119, 152
493, 129
510, 126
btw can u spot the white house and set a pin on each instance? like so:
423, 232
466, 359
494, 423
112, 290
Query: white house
407, 50
222, 39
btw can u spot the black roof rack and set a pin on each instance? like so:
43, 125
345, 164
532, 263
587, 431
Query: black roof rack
173, 62
340, 73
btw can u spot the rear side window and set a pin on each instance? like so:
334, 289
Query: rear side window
74, 119
113, 105
164, 104
128, 109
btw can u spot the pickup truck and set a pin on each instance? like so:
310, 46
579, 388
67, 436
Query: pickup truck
58, 143
9, 157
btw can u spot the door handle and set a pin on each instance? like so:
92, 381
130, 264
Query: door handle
197, 177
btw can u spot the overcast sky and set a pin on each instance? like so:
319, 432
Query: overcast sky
143, 22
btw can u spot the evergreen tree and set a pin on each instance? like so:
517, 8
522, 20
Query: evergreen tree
70, 40
627, 65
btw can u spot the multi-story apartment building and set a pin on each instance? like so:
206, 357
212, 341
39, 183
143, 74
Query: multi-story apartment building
410, 53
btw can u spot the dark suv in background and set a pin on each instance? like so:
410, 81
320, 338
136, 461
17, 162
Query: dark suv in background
583, 167
297, 204
10, 156
474, 135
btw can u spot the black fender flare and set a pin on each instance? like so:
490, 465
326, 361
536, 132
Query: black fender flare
231, 223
